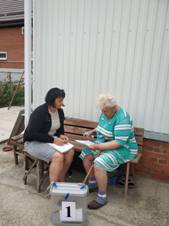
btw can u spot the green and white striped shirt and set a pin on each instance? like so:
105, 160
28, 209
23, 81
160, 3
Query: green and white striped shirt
118, 128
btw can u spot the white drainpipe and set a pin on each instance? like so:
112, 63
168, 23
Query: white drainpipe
27, 57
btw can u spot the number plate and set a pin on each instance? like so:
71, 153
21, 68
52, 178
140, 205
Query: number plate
68, 212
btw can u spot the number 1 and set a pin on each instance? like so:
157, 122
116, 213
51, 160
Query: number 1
68, 211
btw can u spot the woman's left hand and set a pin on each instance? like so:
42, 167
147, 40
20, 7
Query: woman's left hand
94, 147
64, 138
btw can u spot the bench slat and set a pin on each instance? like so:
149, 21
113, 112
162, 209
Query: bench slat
76, 137
80, 123
75, 130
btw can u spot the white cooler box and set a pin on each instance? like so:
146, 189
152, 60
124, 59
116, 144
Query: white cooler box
69, 203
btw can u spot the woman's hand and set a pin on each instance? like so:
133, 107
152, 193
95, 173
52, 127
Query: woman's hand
64, 138
58, 141
94, 147
105, 146
88, 134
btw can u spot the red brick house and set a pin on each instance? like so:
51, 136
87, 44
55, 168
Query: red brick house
11, 34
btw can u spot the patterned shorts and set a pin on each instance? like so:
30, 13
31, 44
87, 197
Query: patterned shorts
109, 160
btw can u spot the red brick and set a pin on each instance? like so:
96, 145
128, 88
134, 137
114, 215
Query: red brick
156, 146
162, 161
164, 168
12, 42
155, 160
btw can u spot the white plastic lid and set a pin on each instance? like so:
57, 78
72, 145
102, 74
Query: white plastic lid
75, 189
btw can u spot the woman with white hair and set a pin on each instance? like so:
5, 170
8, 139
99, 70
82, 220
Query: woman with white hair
115, 144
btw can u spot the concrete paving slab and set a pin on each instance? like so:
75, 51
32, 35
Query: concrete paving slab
7, 121
21, 205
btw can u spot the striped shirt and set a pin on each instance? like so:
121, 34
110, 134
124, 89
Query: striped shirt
118, 128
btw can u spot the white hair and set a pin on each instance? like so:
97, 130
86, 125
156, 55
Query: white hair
106, 100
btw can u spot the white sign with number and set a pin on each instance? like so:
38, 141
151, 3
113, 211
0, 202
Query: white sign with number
68, 212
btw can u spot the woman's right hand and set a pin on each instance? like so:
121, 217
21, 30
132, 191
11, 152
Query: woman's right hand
88, 134
58, 141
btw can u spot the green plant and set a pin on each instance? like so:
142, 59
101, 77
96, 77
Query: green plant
7, 89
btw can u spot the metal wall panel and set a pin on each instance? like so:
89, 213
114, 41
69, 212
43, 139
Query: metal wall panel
90, 47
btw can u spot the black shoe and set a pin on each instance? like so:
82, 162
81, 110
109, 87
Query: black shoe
95, 205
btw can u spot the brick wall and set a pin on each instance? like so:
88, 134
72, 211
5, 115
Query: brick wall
155, 160
12, 42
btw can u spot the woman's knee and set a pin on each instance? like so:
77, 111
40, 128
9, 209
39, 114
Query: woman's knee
58, 157
89, 158
98, 169
70, 153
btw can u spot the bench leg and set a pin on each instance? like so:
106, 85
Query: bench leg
127, 178
28, 168
39, 169
15, 155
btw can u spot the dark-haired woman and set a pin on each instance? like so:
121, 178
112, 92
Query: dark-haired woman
46, 125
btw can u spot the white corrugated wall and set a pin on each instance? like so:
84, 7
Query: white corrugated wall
90, 47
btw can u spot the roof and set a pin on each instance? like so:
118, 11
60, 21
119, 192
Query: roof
11, 12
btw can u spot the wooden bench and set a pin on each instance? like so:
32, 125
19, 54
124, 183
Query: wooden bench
29, 161
16, 136
74, 129
16, 140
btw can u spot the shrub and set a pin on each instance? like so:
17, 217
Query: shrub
7, 89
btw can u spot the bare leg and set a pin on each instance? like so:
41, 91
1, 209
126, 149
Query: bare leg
101, 178
68, 157
56, 166
87, 163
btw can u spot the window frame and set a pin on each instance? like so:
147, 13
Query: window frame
3, 58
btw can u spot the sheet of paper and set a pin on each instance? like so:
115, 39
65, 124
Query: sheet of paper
85, 142
63, 148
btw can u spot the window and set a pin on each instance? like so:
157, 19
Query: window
3, 55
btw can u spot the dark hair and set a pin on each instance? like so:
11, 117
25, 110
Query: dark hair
52, 94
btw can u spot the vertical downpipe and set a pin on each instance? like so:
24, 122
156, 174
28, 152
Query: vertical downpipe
27, 57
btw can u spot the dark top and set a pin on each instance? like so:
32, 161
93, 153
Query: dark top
40, 124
